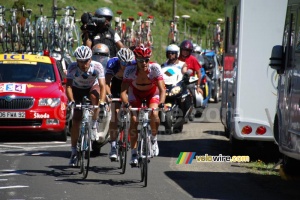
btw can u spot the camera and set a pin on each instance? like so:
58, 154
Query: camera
90, 22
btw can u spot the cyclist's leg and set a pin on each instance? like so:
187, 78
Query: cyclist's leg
113, 130
76, 122
113, 125
154, 124
133, 132
94, 97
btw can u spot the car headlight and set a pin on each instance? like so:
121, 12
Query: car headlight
175, 90
52, 102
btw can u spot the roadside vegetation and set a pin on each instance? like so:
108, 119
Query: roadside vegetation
201, 12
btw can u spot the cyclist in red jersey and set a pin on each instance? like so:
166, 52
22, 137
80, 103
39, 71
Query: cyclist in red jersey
143, 81
186, 48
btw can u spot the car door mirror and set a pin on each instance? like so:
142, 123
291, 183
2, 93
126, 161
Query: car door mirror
276, 59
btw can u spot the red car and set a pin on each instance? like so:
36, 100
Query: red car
32, 95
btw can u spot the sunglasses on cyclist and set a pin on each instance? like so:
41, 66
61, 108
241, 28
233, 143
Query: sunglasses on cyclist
171, 52
142, 60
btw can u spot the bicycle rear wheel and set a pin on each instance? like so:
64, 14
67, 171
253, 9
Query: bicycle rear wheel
145, 154
85, 151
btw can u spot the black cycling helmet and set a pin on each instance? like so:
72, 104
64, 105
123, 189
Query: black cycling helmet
186, 45
104, 12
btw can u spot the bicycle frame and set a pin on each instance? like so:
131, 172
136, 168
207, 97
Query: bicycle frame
144, 143
84, 139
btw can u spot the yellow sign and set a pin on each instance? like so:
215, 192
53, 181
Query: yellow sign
24, 58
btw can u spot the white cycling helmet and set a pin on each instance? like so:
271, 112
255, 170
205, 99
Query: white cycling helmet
125, 55
83, 53
173, 48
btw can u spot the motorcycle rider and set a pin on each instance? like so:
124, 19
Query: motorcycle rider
172, 54
186, 48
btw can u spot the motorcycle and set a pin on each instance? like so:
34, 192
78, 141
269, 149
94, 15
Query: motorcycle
204, 85
179, 101
212, 70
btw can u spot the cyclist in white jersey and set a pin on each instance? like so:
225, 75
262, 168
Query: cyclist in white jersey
85, 77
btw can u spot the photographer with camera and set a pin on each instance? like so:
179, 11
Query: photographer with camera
97, 29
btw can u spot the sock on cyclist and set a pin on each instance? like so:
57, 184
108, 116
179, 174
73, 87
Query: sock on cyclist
133, 151
153, 138
94, 124
74, 150
113, 144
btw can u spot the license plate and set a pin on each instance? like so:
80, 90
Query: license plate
12, 114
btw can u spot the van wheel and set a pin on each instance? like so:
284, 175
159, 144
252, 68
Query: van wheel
276, 129
290, 165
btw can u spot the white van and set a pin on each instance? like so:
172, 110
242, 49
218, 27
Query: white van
285, 59
252, 28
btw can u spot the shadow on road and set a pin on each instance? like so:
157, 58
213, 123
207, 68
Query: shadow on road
227, 185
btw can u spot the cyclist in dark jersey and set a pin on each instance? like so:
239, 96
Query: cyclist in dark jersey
113, 77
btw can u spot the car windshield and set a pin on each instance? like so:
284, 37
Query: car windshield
39, 72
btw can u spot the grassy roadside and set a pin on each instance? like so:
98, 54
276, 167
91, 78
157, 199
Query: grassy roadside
201, 12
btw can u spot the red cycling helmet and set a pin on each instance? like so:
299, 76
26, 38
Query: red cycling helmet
186, 45
142, 51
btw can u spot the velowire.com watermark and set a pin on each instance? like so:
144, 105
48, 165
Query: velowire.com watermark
187, 158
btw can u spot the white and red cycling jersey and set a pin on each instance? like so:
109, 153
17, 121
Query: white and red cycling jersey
137, 91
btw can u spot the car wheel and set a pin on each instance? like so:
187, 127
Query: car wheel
62, 136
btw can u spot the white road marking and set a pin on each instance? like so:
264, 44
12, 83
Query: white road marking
13, 186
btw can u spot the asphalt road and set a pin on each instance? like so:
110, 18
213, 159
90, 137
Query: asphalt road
37, 169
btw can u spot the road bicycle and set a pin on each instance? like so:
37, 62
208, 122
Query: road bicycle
84, 139
69, 30
130, 35
3, 29
27, 31
120, 26
144, 144
14, 28
41, 31
55, 35
173, 36
143, 30
123, 141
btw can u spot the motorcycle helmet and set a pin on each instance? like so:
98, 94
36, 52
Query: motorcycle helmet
100, 53
172, 48
186, 45
104, 12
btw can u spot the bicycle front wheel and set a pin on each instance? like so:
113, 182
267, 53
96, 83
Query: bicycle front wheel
123, 150
145, 155
85, 151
